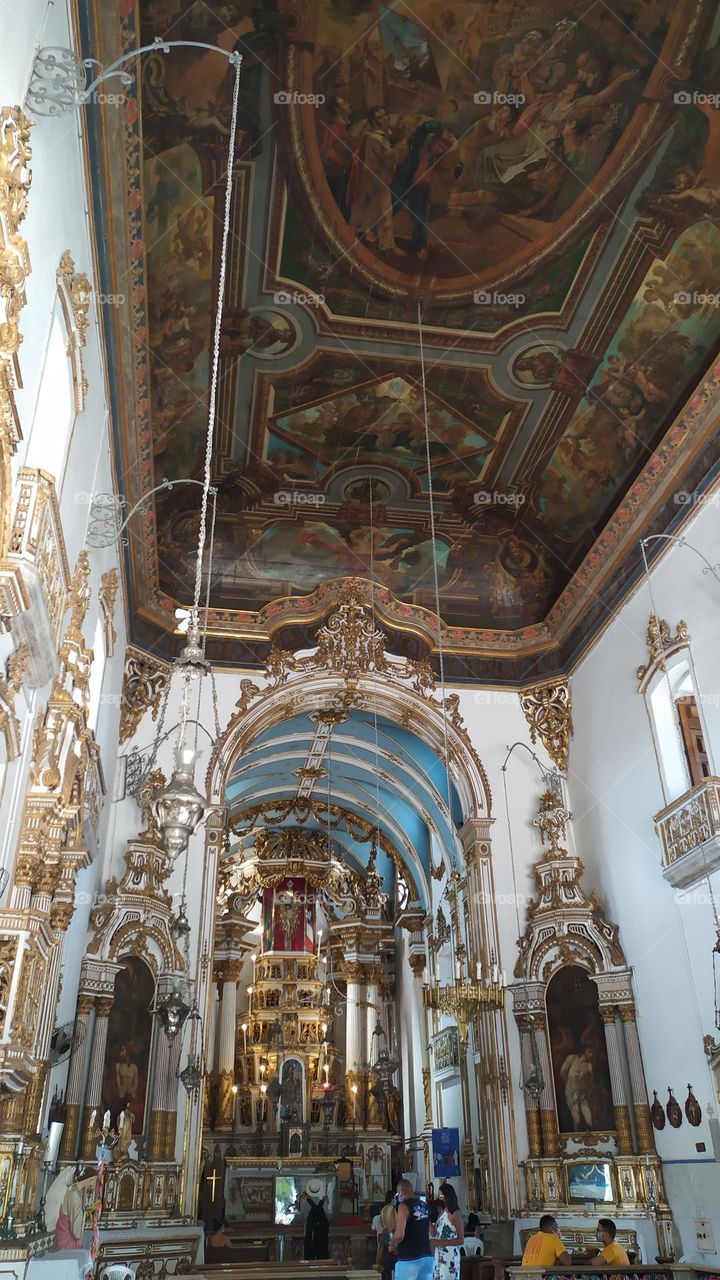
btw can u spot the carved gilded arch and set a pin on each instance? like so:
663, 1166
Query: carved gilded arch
350, 667
146, 939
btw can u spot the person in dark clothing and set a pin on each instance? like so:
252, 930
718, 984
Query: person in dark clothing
411, 1238
317, 1227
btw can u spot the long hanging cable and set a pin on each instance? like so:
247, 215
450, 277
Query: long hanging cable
375, 715
436, 583
212, 407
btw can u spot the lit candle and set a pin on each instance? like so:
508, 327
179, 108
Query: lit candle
326, 1069
250, 991
254, 959
320, 934
234, 1094
244, 1031
354, 1091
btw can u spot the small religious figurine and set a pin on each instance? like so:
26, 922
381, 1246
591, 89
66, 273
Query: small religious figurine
393, 1105
125, 1133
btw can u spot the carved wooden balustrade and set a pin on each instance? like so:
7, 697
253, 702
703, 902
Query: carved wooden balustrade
689, 831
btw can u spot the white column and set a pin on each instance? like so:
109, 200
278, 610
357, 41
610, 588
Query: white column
353, 1046
226, 1047
372, 1014
212, 1028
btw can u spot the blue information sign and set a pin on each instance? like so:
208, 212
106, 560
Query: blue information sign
446, 1153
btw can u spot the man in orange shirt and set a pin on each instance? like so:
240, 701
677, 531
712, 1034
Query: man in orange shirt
545, 1249
611, 1254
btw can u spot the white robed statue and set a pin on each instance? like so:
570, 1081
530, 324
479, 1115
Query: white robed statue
65, 1206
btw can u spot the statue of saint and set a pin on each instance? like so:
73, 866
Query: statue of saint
125, 1132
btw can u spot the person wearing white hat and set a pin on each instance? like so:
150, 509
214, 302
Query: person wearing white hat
317, 1227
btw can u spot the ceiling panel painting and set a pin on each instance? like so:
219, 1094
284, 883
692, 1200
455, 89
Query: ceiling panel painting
533, 189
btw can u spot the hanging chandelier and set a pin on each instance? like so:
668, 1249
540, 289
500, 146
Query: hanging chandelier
179, 808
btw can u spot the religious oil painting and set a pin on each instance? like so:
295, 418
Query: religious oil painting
125, 1077
452, 137
579, 1054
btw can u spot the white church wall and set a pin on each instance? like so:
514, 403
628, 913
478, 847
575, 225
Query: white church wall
72, 446
615, 789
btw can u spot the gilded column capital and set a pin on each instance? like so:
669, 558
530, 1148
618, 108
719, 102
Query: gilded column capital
85, 1004
352, 971
627, 1012
61, 913
104, 1006
417, 964
25, 869
608, 1014
229, 970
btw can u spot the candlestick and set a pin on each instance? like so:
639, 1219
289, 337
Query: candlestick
457, 970
250, 991
320, 934
478, 971
244, 1031
494, 974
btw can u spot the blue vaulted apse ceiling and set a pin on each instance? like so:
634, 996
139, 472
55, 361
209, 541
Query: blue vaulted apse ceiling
376, 770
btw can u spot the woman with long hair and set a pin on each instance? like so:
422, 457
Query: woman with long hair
448, 1235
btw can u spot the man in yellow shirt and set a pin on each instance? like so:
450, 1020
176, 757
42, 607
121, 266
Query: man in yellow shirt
611, 1254
545, 1249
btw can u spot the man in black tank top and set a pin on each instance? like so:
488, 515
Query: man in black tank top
411, 1238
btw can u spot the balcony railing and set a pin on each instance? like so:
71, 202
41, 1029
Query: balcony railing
689, 831
35, 575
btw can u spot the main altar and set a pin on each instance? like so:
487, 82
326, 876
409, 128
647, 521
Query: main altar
303, 1095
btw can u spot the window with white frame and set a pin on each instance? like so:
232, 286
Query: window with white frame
55, 406
675, 713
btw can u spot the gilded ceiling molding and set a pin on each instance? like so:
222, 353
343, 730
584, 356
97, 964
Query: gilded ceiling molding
661, 645
144, 681
15, 178
109, 585
548, 711
75, 291
10, 684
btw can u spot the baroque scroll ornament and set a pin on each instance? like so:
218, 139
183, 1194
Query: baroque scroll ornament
548, 711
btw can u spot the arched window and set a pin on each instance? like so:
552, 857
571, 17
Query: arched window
674, 706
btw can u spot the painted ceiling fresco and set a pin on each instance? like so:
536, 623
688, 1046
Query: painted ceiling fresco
536, 185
